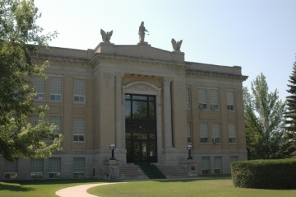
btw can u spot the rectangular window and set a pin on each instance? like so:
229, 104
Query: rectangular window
78, 167
202, 99
79, 91
218, 165
188, 96
10, 169
214, 99
231, 133
78, 129
189, 141
230, 101
205, 164
56, 89
39, 85
204, 134
54, 168
233, 159
216, 133
36, 168
57, 121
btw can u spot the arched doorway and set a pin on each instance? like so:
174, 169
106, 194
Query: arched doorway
140, 128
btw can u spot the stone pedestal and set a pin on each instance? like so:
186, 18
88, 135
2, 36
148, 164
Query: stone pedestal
111, 169
192, 168
105, 47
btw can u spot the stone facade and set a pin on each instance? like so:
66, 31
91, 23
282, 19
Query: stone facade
198, 104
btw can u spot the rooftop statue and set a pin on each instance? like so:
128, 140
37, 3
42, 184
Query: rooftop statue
106, 36
142, 31
176, 45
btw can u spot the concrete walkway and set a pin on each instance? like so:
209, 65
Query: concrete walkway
79, 190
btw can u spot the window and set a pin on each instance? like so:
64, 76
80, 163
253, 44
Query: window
218, 165
39, 85
230, 101
233, 159
204, 135
57, 121
205, 164
56, 89
188, 95
216, 133
214, 99
189, 141
231, 133
202, 98
54, 168
10, 169
36, 168
78, 129
78, 167
79, 89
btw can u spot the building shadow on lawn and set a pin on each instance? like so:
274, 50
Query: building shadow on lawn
24, 185
199, 178
14, 187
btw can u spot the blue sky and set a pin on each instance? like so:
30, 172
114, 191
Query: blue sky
258, 35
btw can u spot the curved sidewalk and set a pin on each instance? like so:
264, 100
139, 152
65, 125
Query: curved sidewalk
79, 190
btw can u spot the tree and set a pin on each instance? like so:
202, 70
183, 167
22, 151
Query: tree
263, 119
19, 40
290, 114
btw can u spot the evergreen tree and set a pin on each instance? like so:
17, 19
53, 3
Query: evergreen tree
263, 120
290, 114
19, 40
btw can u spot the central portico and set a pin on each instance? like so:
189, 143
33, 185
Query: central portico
142, 85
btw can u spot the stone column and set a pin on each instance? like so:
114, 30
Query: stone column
118, 110
167, 112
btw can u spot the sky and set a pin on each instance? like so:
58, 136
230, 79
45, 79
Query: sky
257, 35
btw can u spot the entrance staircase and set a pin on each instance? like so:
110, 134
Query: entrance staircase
172, 172
131, 172
151, 171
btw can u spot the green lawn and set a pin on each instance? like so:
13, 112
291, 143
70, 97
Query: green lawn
204, 186
210, 187
46, 188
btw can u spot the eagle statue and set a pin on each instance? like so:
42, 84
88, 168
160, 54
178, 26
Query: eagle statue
176, 45
106, 36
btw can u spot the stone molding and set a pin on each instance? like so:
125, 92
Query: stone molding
217, 75
141, 87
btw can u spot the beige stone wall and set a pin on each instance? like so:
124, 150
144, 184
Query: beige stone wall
222, 115
110, 68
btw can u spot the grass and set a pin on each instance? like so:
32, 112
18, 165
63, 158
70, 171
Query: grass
205, 187
38, 188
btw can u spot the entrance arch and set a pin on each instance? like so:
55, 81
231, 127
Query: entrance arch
142, 123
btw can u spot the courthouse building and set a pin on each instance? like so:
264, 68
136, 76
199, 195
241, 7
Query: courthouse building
149, 102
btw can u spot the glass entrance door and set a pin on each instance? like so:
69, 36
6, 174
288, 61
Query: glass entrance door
140, 128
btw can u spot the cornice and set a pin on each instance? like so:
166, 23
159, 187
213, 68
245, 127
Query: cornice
63, 59
216, 75
111, 58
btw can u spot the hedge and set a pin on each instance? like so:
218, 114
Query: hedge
264, 174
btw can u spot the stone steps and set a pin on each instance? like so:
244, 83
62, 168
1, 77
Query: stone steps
131, 172
151, 171
173, 171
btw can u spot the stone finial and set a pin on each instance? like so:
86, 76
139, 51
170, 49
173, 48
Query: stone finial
106, 36
176, 45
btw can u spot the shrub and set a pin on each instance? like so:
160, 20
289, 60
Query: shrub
267, 174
